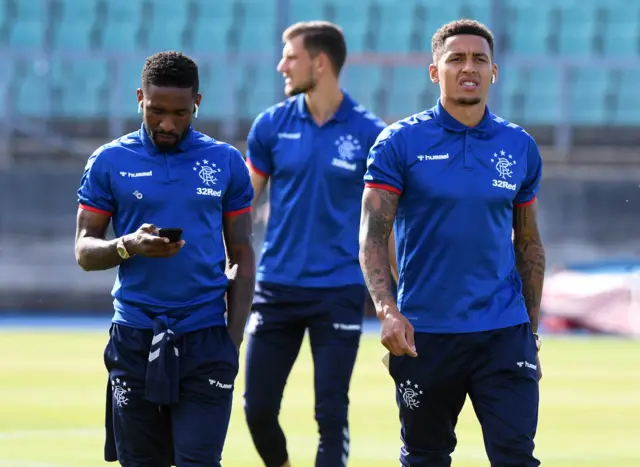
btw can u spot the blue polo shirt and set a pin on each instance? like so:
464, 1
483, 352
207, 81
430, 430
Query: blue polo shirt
316, 184
192, 188
457, 187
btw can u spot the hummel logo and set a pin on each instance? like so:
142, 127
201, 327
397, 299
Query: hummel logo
437, 157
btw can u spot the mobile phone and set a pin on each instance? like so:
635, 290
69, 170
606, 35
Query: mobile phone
173, 234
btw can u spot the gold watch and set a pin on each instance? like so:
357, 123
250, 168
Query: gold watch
121, 249
538, 341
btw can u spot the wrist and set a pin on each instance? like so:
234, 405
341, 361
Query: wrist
129, 245
386, 308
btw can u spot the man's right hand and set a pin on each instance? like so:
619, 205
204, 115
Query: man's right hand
397, 332
145, 242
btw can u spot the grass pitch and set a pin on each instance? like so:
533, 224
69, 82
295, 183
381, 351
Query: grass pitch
52, 398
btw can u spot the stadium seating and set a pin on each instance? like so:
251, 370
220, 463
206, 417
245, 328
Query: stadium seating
237, 43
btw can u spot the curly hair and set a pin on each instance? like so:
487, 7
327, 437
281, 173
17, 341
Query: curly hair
456, 28
171, 69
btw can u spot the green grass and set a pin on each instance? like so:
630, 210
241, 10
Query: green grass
52, 397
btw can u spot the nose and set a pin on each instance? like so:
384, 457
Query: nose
280, 66
167, 125
469, 65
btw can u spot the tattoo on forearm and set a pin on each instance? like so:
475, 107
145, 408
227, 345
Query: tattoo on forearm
378, 214
530, 260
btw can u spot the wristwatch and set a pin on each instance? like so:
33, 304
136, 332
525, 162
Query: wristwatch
538, 341
121, 249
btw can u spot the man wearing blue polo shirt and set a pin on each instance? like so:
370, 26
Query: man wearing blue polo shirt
313, 149
454, 181
172, 358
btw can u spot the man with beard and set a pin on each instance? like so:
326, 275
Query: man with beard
313, 149
453, 181
171, 357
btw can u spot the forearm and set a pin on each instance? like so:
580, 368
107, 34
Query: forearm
376, 267
97, 254
240, 292
531, 264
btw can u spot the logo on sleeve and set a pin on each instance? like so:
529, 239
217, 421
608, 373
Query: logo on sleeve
347, 146
208, 176
503, 162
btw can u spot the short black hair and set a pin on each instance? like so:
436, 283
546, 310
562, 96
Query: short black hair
456, 28
171, 69
320, 36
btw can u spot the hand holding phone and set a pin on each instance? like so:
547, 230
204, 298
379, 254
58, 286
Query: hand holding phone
172, 233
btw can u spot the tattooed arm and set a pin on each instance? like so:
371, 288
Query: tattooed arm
530, 258
376, 224
240, 254
392, 256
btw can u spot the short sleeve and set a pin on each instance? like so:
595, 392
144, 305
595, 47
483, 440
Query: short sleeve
529, 188
258, 145
384, 164
95, 192
239, 195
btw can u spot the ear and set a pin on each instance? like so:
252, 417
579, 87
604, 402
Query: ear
433, 73
197, 99
494, 77
140, 95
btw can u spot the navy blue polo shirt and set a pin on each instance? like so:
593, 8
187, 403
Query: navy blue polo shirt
192, 188
457, 187
316, 176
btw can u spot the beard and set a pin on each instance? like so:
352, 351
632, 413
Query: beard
166, 146
468, 101
301, 89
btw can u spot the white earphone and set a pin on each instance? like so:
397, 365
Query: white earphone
493, 79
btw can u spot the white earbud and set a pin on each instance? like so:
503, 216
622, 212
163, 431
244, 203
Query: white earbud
195, 113
493, 79
140, 107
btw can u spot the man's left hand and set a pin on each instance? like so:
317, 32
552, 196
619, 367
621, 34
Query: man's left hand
539, 367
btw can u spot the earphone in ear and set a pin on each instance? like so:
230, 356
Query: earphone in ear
493, 79
195, 110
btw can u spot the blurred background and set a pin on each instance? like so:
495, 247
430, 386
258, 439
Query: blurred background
569, 73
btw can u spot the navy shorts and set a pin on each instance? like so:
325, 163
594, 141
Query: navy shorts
189, 433
496, 369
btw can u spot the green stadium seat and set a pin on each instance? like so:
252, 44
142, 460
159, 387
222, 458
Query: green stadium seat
578, 27
27, 34
592, 82
363, 82
480, 10
542, 97
304, 10
259, 36
395, 29
628, 109
261, 87
211, 38
76, 9
529, 30
622, 35
166, 35
73, 35
212, 12
219, 84
32, 10
120, 36
124, 10
352, 18
412, 91
32, 98
130, 78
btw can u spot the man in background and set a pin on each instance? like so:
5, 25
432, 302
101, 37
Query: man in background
312, 148
172, 358
454, 180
